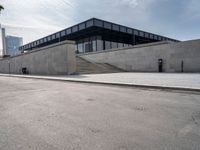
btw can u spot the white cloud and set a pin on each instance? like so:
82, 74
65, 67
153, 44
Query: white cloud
33, 19
44, 17
131, 3
192, 10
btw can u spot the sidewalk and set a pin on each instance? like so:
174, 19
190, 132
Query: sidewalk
174, 81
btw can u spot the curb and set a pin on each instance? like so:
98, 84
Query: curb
106, 83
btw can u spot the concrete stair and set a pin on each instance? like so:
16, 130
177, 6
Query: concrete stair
86, 67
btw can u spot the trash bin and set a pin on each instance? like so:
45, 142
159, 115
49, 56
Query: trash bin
24, 70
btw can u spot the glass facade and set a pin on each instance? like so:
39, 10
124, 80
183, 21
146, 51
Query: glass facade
12, 45
114, 44
63, 33
98, 23
115, 27
99, 43
81, 26
107, 25
107, 44
53, 36
69, 31
130, 31
123, 29
48, 38
96, 35
96, 43
89, 23
58, 35
74, 28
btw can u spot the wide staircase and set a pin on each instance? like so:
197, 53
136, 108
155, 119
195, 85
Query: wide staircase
87, 67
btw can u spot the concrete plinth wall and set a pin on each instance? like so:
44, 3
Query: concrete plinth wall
56, 59
144, 58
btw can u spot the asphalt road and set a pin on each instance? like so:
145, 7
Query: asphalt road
51, 115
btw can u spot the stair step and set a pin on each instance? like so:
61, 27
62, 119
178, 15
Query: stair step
86, 67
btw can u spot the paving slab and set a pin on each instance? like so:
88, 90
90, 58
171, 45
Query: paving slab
177, 81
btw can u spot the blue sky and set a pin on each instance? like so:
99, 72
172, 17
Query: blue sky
32, 19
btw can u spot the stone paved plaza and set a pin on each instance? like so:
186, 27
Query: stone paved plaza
152, 79
180, 80
51, 115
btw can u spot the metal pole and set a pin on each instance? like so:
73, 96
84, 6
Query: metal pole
182, 65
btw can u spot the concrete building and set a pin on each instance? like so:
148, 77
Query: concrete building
97, 35
12, 45
103, 47
61, 59
153, 57
56, 59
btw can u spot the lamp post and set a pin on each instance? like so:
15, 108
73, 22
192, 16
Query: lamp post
9, 67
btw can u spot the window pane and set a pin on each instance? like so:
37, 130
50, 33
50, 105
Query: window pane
130, 45
93, 42
89, 23
107, 45
85, 45
63, 33
48, 38
151, 36
115, 27
141, 33
81, 26
114, 44
120, 45
94, 46
80, 47
99, 43
129, 30
53, 36
146, 35
125, 45
107, 25
45, 39
58, 35
69, 31
75, 29
98, 23
88, 47
122, 29
136, 32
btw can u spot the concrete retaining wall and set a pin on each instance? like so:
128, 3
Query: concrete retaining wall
57, 59
144, 58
